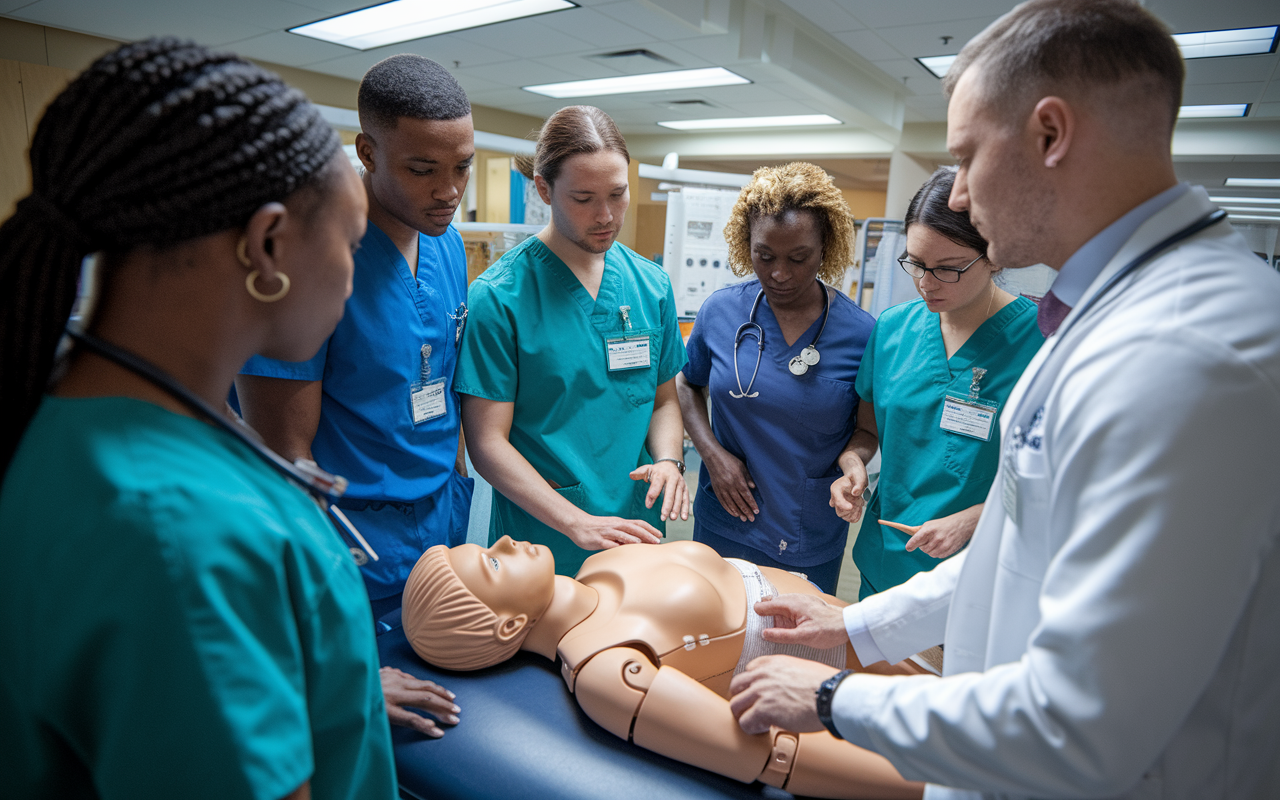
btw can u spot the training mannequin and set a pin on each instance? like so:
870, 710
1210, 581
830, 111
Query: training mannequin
649, 638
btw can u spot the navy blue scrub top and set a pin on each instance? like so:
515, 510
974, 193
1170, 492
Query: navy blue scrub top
791, 434
368, 365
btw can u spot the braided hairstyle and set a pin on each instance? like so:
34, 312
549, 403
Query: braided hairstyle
156, 143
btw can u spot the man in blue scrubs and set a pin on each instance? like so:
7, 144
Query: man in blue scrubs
375, 405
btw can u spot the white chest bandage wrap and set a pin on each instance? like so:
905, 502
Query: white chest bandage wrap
753, 646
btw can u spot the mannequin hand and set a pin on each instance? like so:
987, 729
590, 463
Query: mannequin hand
401, 691
847, 493
803, 619
603, 533
732, 484
664, 480
778, 690
943, 537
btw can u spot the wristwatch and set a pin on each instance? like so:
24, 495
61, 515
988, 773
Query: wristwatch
824, 694
679, 464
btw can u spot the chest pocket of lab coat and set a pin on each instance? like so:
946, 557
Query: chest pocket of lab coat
1026, 498
638, 384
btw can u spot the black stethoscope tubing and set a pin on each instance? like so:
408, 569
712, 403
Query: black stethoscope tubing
746, 329
323, 494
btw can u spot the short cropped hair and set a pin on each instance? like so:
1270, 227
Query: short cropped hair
408, 85
798, 186
1043, 46
930, 209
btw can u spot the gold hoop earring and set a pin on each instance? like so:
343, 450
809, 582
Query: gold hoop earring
242, 252
252, 278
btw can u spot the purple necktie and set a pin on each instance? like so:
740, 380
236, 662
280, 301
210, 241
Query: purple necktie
1051, 314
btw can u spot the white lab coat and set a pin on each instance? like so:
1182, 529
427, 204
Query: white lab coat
1124, 641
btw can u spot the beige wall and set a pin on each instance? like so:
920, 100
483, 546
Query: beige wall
864, 202
36, 62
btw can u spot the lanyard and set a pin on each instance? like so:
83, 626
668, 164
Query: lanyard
322, 486
1208, 220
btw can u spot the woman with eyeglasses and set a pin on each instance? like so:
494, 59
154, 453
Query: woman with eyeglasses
935, 377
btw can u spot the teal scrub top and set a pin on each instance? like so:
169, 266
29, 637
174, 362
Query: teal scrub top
536, 338
927, 472
179, 621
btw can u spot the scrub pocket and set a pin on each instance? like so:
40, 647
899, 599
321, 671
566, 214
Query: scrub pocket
819, 525
639, 384
710, 514
827, 405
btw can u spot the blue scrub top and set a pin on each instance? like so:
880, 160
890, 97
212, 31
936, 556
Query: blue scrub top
791, 434
367, 433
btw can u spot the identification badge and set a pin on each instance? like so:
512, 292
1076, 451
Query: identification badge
969, 416
428, 401
628, 352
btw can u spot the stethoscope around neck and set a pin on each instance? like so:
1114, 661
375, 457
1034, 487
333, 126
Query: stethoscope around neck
323, 487
798, 365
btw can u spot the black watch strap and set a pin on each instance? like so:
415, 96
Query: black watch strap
824, 694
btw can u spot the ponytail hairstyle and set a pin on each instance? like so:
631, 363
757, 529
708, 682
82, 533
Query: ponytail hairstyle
156, 143
571, 131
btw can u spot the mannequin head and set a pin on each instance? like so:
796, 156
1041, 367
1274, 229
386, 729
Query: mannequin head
468, 607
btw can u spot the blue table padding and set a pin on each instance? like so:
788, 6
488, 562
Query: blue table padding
523, 735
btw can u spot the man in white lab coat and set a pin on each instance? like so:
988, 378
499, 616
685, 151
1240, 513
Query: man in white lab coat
1113, 629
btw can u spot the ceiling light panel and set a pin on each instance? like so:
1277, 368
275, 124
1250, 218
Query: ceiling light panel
1254, 183
1237, 42
793, 121
652, 82
938, 65
403, 20
1214, 111
1257, 201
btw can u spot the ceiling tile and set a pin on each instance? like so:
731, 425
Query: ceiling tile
1208, 93
826, 15
525, 38
264, 13
656, 24
1234, 69
599, 30
290, 49
869, 45
1272, 94
717, 49
919, 79
1266, 110
1184, 16
524, 72
772, 108
879, 14
925, 39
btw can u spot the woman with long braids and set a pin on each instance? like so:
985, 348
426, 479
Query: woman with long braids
179, 619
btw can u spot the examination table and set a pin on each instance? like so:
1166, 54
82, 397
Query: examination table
522, 735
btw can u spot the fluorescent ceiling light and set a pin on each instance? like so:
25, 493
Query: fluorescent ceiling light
1264, 201
938, 65
1253, 183
1251, 210
651, 82
794, 121
1221, 110
402, 20
1237, 42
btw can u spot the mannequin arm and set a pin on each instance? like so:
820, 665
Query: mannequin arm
664, 710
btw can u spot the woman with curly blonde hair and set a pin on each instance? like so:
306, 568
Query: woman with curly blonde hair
778, 357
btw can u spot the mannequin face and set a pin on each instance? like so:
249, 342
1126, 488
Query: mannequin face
928, 247
511, 578
588, 199
786, 254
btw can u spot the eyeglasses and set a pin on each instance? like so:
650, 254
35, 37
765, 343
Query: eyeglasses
944, 274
